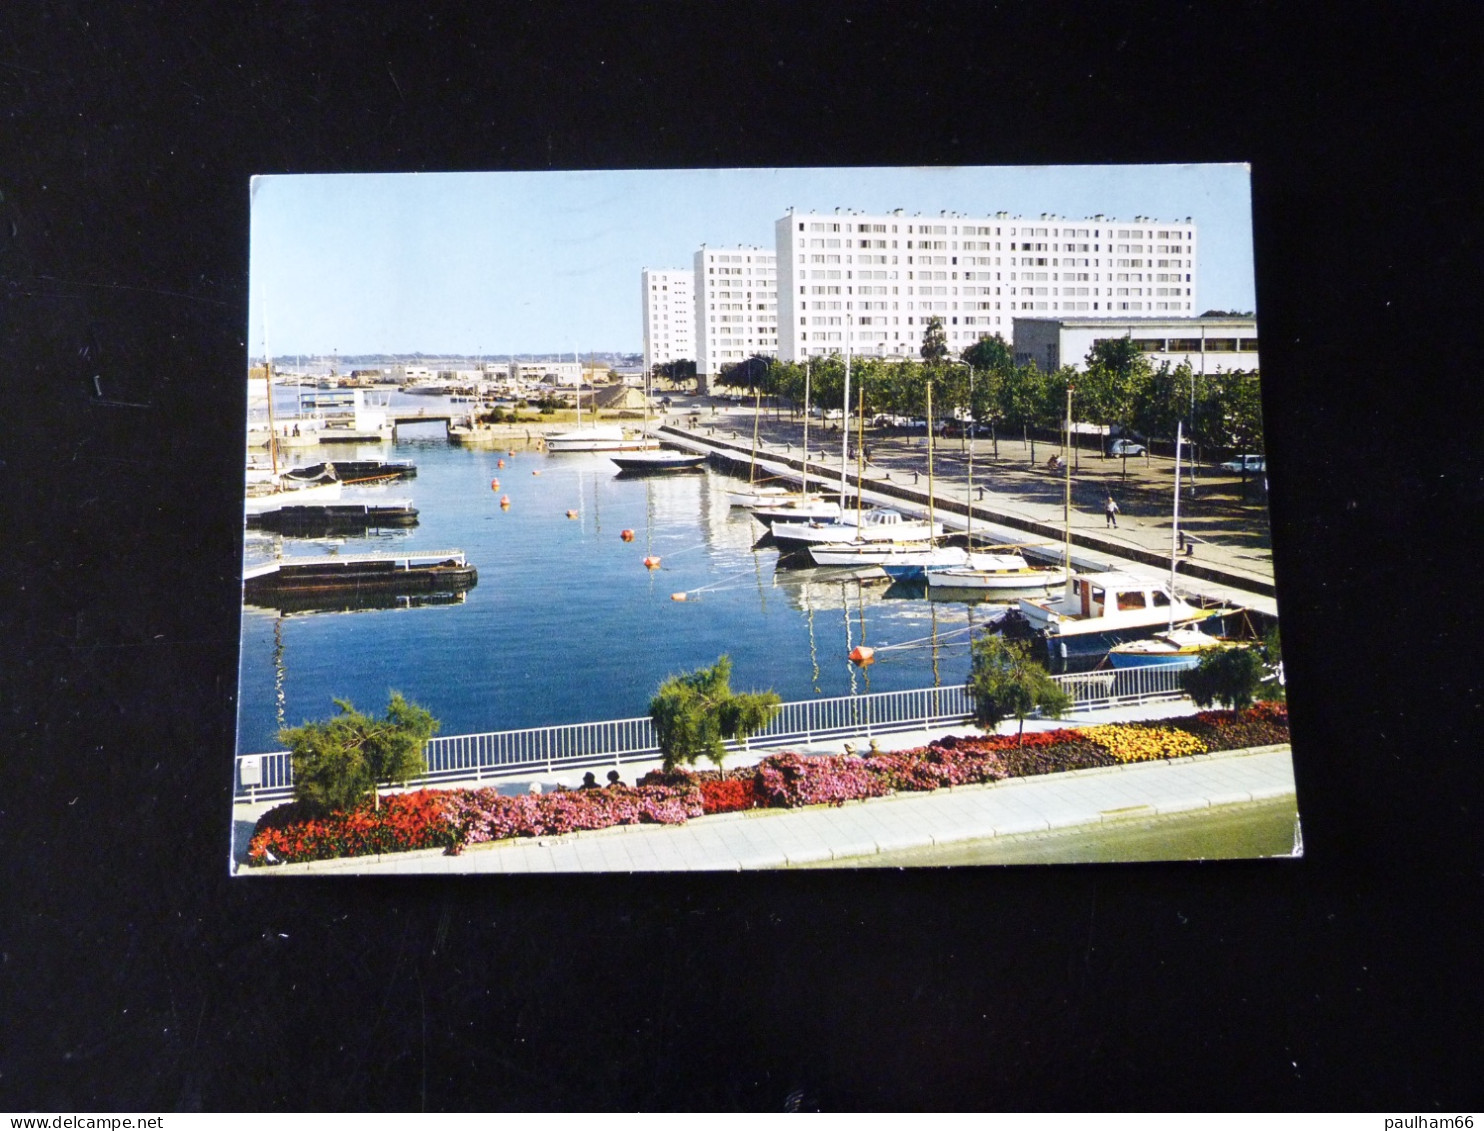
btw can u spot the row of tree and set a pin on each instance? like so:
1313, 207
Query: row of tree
1119, 387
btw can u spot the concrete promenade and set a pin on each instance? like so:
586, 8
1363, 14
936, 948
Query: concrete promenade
857, 831
1016, 500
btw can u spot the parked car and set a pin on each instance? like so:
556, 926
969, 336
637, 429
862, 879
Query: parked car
1126, 448
1246, 463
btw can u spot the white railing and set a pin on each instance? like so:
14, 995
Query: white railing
474, 757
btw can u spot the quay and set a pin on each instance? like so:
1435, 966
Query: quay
1015, 502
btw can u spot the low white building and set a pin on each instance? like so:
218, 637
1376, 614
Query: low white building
736, 296
875, 280
567, 373
1210, 345
669, 315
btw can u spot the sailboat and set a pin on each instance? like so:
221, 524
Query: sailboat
1175, 647
769, 503
658, 460
596, 437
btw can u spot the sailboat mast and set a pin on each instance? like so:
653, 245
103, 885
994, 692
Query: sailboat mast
969, 424
845, 417
1067, 503
1175, 524
860, 463
806, 430
930, 452
272, 429
757, 412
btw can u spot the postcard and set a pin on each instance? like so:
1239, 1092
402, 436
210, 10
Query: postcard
739, 519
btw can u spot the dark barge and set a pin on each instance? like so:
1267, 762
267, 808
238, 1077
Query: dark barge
321, 519
304, 582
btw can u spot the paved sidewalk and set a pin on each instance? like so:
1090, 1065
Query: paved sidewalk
781, 838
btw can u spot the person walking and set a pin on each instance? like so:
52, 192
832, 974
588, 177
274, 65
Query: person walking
1110, 513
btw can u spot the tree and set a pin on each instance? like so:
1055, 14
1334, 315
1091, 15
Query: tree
695, 712
1229, 676
339, 760
1115, 376
934, 342
1006, 683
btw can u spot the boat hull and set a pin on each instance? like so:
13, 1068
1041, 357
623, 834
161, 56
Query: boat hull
657, 462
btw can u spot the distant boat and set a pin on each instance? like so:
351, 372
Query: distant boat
308, 580
800, 509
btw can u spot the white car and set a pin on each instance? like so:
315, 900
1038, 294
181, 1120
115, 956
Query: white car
1126, 448
1246, 463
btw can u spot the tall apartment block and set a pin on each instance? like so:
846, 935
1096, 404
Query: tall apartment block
880, 278
736, 306
669, 316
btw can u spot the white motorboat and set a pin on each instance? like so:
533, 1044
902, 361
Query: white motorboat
1106, 605
881, 525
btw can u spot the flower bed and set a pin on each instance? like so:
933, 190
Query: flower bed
460, 817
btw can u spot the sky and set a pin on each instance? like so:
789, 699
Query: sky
549, 262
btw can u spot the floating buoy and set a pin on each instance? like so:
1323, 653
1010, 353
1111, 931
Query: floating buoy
499, 463
651, 562
511, 452
494, 484
862, 656
626, 535
535, 473
677, 596
504, 502
571, 514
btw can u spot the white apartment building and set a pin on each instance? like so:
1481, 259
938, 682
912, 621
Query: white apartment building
669, 315
880, 278
736, 293
1210, 345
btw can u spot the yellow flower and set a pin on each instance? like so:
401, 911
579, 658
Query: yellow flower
1144, 743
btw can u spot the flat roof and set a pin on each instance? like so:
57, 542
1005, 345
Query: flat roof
1096, 323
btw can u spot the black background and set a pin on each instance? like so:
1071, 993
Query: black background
135, 975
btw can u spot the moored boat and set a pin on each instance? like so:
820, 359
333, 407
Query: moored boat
996, 571
1114, 605
879, 525
438, 571
598, 438
658, 461
1173, 648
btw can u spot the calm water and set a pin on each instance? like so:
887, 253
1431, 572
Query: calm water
566, 624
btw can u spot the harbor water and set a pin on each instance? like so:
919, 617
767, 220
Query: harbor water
566, 623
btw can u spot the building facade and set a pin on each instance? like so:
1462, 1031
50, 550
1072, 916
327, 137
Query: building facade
874, 281
669, 316
736, 294
1208, 344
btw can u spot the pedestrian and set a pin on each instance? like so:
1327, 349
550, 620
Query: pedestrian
1110, 513
614, 781
588, 781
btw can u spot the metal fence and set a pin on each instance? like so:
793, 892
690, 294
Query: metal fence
495, 754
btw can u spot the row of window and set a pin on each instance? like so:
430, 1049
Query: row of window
995, 230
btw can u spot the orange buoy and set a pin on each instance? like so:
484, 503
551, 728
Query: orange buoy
511, 452
571, 514
499, 463
504, 502
651, 562
677, 596
862, 656
535, 473
626, 535
494, 484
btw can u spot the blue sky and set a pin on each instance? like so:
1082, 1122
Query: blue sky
546, 262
